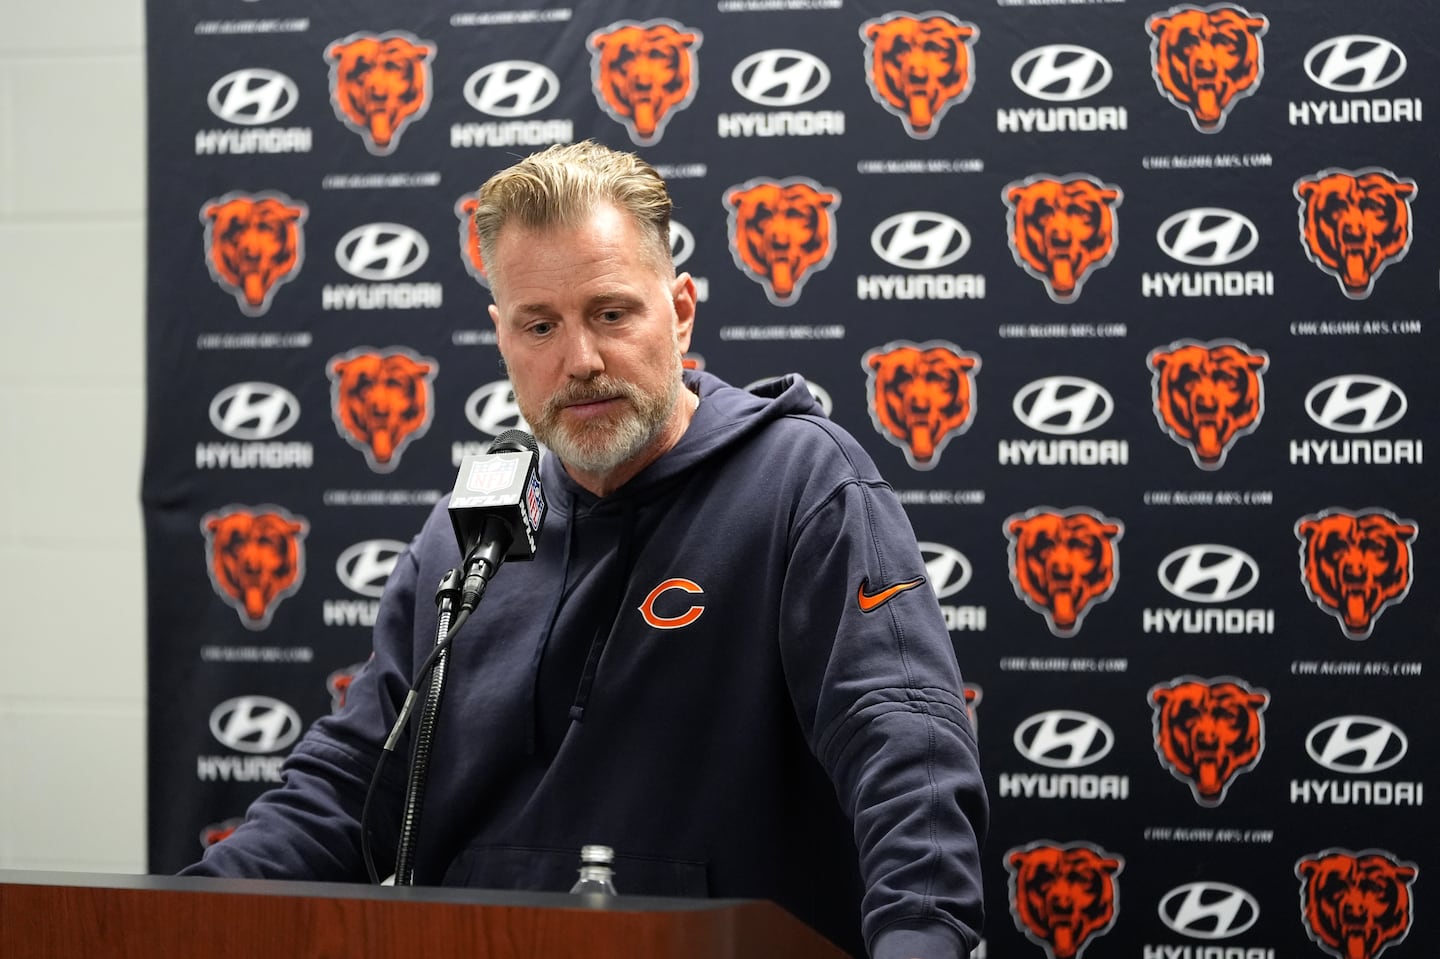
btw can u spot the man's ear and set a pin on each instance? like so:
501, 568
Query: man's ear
682, 294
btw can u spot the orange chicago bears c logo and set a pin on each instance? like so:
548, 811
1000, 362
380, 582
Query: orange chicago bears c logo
1063, 897
781, 233
379, 84
1353, 225
921, 396
919, 68
685, 618
1355, 905
1354, 565
1063, 563
465, 208
253, 243
381, 401
1208, 731
256, 558
1208, 395
1061, 230
1204, 60
644, 73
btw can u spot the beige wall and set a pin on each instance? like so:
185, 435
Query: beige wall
72, 612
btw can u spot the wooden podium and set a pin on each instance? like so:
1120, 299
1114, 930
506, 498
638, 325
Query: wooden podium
55, 915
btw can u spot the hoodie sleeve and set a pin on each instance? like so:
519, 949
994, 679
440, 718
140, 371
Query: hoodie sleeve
308, 827
873, 675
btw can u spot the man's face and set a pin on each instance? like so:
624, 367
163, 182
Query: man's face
592, 331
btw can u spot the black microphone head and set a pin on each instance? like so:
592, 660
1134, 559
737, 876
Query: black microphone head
514, 441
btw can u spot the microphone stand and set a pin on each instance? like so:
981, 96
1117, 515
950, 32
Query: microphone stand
446, 597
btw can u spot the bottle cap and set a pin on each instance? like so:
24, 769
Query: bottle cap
597, 854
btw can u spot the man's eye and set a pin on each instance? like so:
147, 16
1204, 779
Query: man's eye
540, 329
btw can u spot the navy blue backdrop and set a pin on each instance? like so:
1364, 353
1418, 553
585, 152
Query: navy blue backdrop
1133, 304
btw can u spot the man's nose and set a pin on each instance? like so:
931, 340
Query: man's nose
582, 354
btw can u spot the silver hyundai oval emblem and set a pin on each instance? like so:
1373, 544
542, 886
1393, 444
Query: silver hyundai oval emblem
1209, 910
1061, 72
1207, 236
1356, 403
780, 78
381, 252
1063, 405
512, 88
946, 568
365, 567
493, 409
1356, 744
1356, 63
255, 724
1208, 573
254, 411
682, 242
920, 240
1063, 739
253, 96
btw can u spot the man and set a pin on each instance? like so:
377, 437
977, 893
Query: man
724, 661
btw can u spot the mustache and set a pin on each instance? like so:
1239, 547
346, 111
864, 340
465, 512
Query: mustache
601, 387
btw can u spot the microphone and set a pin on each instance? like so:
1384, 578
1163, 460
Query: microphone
497, 508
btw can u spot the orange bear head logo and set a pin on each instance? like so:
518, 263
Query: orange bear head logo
919, 68
381, 401
921, 396
253, 243
1206, 60
1355, 906
1207, 395
465, 208
339, 683
1207, 732
256, 558
1062, 564
1061, 230
379, 85
782, 232
1063, 897
1354, 565
644, 73
1353, 225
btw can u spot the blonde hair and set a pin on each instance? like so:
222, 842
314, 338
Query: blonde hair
562, 185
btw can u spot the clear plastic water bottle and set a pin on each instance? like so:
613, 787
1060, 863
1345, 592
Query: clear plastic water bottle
596, 876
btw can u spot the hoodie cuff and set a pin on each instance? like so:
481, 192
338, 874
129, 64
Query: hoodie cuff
919, 939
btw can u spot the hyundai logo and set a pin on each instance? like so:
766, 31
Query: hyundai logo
254, 411
1356, 744
1355, 63
682, 243
822, 395
920, 240
1061, 72
780, 78
493, 409
1208, 573
512, 88
381, 251
1209, 910
947, 569
1063, 739
1062, 405
1356, 403
365, 567
253, 96
1207, 236
255, 724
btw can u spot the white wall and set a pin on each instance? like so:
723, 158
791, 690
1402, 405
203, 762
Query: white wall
72, 612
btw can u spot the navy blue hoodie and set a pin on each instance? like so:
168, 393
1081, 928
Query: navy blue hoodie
730, 670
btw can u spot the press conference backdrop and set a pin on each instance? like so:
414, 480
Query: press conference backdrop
1133, 304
